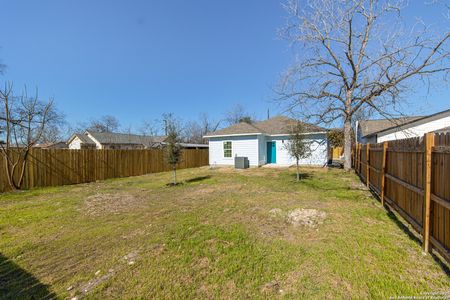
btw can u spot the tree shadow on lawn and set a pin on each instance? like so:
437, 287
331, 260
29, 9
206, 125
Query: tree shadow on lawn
303, 176
413, 236
192, 180
16, 283
197, 179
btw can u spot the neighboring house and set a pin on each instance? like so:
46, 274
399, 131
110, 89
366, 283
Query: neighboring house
190, 145
265, 143
80, 141
56, 145
109, 140
378, 131
122, 141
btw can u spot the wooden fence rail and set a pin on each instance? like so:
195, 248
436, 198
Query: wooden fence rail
54, 167
412, 176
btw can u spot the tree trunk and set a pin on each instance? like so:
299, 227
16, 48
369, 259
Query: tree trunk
298, 172
174, 176
347, 144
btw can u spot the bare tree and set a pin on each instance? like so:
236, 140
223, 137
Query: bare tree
52, 134
238, 114
357, 55
106, 123
149, 128
2, 68
298, 146
196, 130
24, 120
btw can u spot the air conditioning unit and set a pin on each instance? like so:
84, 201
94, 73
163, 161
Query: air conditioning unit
241, 162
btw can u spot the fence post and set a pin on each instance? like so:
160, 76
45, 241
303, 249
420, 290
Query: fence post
429, 143
359, 159
383, 171
367, 165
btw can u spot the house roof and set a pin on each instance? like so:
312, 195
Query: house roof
272, 126
60, 144
414, 122
369, 127
284, 125
125, 138
82, 137
190, 145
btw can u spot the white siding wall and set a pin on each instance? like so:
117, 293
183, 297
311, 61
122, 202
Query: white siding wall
241, 146
262, 140
319, 156
255, 148
75, 144
415, 131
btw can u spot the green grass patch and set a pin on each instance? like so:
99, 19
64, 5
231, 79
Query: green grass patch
223, 233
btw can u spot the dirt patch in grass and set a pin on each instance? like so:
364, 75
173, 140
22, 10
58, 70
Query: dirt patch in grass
103, 204
306, 217
300, 216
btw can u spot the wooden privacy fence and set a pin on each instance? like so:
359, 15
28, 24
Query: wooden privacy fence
54, 167
412, 176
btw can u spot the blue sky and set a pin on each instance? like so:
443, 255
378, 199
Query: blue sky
138, 59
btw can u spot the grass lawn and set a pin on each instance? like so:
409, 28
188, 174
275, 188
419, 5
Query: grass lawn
222, 234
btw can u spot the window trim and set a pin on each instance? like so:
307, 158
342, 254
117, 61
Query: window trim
231, 149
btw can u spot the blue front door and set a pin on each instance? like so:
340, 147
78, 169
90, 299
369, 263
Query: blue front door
271, 153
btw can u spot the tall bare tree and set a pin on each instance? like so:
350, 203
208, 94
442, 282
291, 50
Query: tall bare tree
106, 123
24, 120
238, 114
356, 55
196, 130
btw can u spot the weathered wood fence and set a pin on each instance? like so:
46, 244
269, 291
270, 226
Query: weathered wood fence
412, 176
54, 167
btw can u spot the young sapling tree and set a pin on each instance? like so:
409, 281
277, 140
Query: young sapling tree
298, 146
173, 149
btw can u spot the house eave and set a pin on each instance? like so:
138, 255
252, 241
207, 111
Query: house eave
305, 133
266, 134
235, 134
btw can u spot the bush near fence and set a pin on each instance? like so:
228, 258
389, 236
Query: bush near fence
54, 167
412, 176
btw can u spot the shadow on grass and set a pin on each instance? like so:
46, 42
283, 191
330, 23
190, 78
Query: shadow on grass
16, 283
413, 236
303, 176
197, 179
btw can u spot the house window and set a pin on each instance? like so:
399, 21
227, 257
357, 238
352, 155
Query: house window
227, 149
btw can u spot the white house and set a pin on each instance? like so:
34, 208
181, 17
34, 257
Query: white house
265, 143
378, 131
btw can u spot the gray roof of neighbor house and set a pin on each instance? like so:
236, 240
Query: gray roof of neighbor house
190, 145
413, 121
125, 138
368, 127
55, 145
272, 126
83, 138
